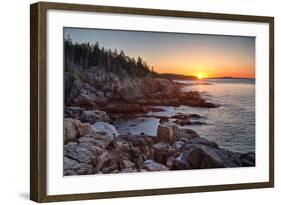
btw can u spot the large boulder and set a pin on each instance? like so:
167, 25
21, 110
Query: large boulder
136, 148
164, 151
74, 129
98, 139
199, 159
166, 132
106, 128
204, 156
103, 150
92, 116
102, 160
82, 152
150, 165
72, 167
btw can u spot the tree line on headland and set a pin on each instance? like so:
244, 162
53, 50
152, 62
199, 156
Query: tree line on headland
87, 55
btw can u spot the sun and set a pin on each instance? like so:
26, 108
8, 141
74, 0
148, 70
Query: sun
200, 76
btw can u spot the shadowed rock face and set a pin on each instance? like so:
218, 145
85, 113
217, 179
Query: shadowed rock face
103, 150
73, 129
107, 92
93, 116
166, 132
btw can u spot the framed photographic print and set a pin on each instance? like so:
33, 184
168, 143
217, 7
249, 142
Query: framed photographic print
134, 102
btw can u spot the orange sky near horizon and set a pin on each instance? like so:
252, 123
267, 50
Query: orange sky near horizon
209, 72
178, 53
208, 61
207, 67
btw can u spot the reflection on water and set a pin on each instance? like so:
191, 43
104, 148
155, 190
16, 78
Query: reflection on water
232, 125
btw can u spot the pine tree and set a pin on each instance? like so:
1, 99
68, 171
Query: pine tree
86, 55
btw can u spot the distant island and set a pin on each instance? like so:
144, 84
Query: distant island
172, 76
228, 77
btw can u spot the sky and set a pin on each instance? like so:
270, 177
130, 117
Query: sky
179, 53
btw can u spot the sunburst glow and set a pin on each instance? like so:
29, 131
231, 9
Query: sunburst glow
201, 76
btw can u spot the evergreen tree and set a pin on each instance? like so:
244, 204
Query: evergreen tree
86, 56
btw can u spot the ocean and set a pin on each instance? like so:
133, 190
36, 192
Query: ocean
231, 125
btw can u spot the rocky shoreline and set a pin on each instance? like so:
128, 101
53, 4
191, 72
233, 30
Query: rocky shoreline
94, 99
99, 149
109, 93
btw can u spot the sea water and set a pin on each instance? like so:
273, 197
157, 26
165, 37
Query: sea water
231, 125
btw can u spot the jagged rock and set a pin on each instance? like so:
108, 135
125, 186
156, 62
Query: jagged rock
101, 140
95, 88
179, 144
70, 132
166, 132
93, 116
95, 142
139, 140
163, 151
109, 169
102, 159
152, 86
150, 165
83, 128
204, 156
85, 101
103, 127
170, 162
180, 163
72, 167
72, 87
74, 128
103, 150
128, 164
127, 90
73, 112
136, 156
193, 98
185, 133
248, 159
199, 159
81, 152
128, 170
